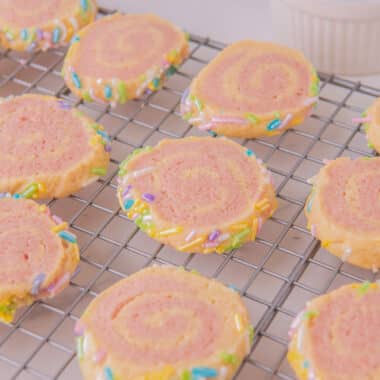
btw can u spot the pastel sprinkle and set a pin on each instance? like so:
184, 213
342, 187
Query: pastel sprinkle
4, 195
79, 328
99, 357
75, 39
98, 171
347, 252
42, 208
250, 153
79, 344
60, 227
128, 204
170, 231
364, 287
56, 35
16, 196
252, 118
204, 372
171, 70
87, 97
37, 282
228, 358
30, 191
103, 134
156, 82
108, 148
57, 219
274, 124
108, 92
306, 364
238, 322
24, 34
148, 197
65, 235
76, 80
186, 375
213, 235
190, 235
310, 314
64, 105
277, 114
108, 373
192, 243
84, 4
234, 288
251, 333
122, 90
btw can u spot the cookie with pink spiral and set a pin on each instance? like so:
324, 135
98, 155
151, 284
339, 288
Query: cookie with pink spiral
336, 337
38, 25
120, 57
197, 194
164, 323
38, 254
48, 149
343, 210
252, 89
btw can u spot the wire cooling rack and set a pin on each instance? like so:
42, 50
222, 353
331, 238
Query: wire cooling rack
276, 274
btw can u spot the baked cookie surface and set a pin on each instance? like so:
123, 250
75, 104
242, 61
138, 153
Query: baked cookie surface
38, 255
252, 89
48, 150
119, 57
334, 338
343, 210
38, 25
164, 323
197, 194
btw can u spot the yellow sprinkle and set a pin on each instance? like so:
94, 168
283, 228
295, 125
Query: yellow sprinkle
238, 322
254, 226
239, 227
263, 205
170, 231
60, 227
192, 243
209, 250
325, 243
95, 140
41, 188
163, 374
42, 208
220, 250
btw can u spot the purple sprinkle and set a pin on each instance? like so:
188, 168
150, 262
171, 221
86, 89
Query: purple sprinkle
214, 235
148, 197
37, 282
75, 272
57, 219
126, 191
211, 244
40, 34
107, 148
190, 236
64, 105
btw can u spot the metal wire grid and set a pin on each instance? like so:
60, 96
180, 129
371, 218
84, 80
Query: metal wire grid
276, 274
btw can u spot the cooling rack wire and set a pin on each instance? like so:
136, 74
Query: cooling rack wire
276, 274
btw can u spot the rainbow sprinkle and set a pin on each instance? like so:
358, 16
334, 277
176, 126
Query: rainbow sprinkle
30, 191
108, 92
148, 197
238, 322
251, 333
228, 358
128, 204
79, 344
84, 4
24, 34
204, 372
122, 90
37, 282
364, 287
250, 153
170, 231
253, 119
214, 235
76, 80
65, 235
56, 35
273, 125
99, 171
186, 375
108, 374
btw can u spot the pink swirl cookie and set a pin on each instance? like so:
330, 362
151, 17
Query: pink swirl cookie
34, 24
343, 210
164, 323
252, 89
119, 57
371, 121
48, 150
337, 336
38, 254
197, 194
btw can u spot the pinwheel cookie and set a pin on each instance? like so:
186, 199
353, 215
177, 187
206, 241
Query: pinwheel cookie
48, 150
164, 323
38, 254
371, 121
197, 194
336, 337
252, 89
119, 57
34, 24
343, 210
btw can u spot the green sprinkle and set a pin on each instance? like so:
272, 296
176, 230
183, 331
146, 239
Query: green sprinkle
30, 190
310, 314
237, 239
314, 88
252, 118
99, 171
364, 287
277, 114
156, 83
79, 343
186, 375
87, 97
364, 114
197, 102
187, 116
228, 358
251, 332
122, 90
171, 70
370, 146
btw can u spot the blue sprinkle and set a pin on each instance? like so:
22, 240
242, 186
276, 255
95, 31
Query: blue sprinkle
56, 35
212, 133
84, 4
108, 92
129, 203
156, 82
306, 364
75, 39
76, 80
103, 134
17, 196
65, 235
108, 373
235, 288
24, 34
37, 282
250, 153
274, 124
204, 372
309, 204
31, 47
